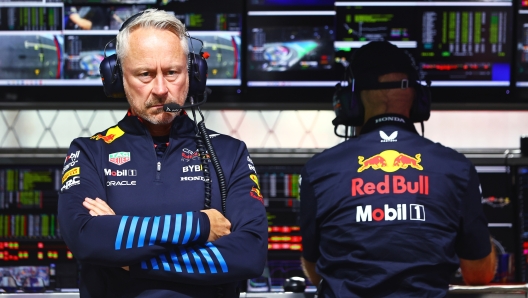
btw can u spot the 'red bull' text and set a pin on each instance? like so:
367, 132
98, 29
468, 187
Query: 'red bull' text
396, 185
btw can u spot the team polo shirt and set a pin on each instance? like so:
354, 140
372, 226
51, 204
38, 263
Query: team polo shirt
389, 213
156, 187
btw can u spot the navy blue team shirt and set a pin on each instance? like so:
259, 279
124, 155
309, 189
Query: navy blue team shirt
389, 213
158, 229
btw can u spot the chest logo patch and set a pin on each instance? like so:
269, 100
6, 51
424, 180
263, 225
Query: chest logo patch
390, 161
119, 158
188, 154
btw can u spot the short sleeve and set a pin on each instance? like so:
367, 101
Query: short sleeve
473, 239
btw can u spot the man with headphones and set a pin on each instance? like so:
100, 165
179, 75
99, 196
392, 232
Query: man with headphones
390, 213
131, 206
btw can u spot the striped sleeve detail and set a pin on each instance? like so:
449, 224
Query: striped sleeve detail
175, 262
131, 232
198, 261
188, 228
166, 228
197, 235
154, 232
177, 229
120, 232
143, 232
186, 260
218, 255
135, 231
192, 260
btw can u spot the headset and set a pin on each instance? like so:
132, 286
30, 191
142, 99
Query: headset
112, 75
349, 108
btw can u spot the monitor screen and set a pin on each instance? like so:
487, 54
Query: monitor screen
290, 49
52, 50
461, 47
521, 53
218, 26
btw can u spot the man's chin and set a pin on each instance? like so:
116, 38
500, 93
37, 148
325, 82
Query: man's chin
161, 118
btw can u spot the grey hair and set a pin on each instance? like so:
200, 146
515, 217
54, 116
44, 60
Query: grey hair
151, 18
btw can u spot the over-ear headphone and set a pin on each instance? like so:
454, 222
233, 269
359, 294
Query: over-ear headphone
349, 108
112, 75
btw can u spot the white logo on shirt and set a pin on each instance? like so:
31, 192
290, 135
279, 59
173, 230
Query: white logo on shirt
385, 138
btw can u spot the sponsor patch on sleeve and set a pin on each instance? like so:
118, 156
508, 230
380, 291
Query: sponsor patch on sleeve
254, 178
74, 180
255, 193
73, 172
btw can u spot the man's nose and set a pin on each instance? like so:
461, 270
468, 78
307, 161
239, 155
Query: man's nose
160, 85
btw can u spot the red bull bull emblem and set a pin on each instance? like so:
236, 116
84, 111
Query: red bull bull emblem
112, 134
390, 161
188, 155
255, 193
254, 178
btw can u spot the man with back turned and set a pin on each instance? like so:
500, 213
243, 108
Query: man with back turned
390, 213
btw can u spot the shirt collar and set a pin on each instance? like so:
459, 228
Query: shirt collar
379, 121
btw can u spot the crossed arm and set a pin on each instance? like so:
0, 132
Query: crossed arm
219, 225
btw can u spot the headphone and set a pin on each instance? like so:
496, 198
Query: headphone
112, 75
349, 108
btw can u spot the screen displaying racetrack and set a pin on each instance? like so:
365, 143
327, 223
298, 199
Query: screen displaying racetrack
290, 49
63, 44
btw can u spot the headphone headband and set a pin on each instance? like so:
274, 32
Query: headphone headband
347, 103
112, 75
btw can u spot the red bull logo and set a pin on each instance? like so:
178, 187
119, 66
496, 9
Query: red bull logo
389, 161
112, 134
254, 178
189, 154
255, 193
391, 185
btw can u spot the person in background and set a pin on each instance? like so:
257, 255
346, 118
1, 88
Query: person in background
390, 213
131, 206
88, 18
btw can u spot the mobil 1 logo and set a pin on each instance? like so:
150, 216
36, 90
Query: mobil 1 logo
390, 213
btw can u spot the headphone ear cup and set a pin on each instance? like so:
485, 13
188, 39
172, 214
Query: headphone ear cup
356, 110
112, 78
348, 109
421, 108
197, 74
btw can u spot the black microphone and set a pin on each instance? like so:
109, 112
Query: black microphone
175, 108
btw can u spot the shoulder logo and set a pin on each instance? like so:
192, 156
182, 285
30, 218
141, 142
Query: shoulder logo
112, 134
119, 158
385, 138
254, 178
214, 135
255, 193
